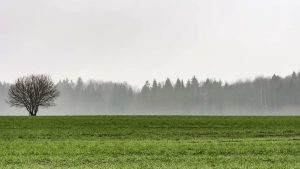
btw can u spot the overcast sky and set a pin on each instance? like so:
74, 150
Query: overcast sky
138, 40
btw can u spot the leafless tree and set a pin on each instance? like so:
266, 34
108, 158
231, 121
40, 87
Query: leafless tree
33, 92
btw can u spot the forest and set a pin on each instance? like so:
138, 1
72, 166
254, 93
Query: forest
262, 96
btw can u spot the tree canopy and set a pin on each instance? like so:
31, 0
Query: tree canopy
33, 92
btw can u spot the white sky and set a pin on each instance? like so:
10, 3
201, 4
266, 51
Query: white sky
138, 40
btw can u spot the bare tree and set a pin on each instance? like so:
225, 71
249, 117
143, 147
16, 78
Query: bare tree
33, 92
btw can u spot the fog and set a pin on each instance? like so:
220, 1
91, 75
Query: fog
121, 43
263, 96
134, 40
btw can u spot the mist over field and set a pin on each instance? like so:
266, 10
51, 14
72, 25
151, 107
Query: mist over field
150, 84
137, 40
263, 96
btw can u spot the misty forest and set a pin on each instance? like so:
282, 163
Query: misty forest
261, 96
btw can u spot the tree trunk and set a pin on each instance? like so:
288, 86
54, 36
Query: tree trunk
35, 111
32, 114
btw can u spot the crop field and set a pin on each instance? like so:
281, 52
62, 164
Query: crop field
149, 142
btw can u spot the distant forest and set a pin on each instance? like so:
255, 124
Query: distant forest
262, 96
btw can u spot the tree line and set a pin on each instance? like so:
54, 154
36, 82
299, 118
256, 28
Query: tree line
263, 95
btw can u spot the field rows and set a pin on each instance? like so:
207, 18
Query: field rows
149, 142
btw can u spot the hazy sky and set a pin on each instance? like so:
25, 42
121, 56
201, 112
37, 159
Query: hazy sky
138, 40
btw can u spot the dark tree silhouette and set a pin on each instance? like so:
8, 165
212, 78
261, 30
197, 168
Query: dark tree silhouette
260, 96
33, 92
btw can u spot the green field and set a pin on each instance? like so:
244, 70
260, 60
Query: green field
150, 142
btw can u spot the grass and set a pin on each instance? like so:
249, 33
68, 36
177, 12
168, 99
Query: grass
150, 142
